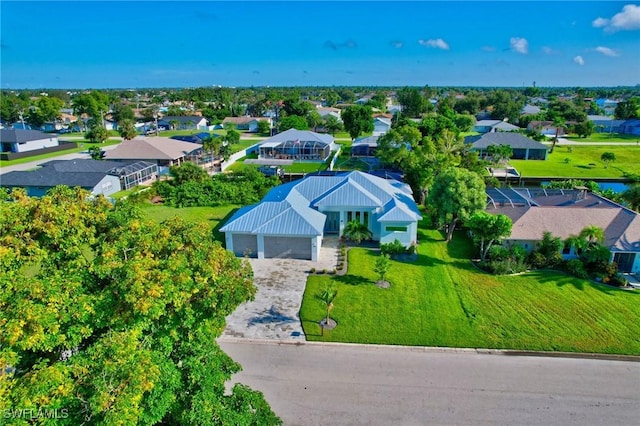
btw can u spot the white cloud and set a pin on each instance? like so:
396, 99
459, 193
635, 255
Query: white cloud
578, 60
628, 19
519, 44
437, 43
606, 51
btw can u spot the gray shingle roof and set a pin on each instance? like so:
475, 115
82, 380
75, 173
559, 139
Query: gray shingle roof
151, 148
82, 173
514, 140
20, 136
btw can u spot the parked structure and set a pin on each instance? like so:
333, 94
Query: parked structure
249, 124
292, 219
564, 213
180, 122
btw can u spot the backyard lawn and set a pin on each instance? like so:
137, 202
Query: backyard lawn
442, 300
605, 137
582, 162
214, 216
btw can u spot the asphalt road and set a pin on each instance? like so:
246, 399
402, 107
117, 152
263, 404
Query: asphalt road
313, 384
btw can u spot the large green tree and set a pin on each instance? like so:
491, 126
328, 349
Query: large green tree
95, 104
412, 102
455, 196
357, 120
127, 129
44, 110
113, 317
293, 122
632, 197
488, 229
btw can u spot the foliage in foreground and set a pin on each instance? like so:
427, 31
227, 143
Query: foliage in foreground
113, 318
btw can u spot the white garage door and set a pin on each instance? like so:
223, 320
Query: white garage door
244, 244
287, 247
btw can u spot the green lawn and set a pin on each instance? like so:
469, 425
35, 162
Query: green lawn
582, 162
605, 137
83, 145
442, 300
215, 217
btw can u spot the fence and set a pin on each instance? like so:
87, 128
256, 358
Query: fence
238, 155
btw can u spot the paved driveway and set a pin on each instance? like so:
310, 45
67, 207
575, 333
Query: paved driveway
274, 314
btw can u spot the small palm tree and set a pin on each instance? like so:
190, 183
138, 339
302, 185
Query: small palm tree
356, 232
592, 234
327, 296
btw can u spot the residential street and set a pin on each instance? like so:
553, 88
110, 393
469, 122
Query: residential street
315, 384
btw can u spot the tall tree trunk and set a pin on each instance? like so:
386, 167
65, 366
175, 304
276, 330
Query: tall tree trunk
452, 227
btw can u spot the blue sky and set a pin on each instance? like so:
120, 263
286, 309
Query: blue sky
120, 44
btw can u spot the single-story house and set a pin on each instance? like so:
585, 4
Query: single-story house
381, 125
246, 123
631, 127
300, 145
164, 152
365, 146
96, 176
17, 140
292, 219
545, 128
523, 147
179, 122
330, 111
196, 138
605, 124
487, 126
564, 213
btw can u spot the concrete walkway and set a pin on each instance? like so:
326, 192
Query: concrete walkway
274, 314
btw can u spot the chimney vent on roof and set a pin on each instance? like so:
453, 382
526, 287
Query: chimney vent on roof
579, 193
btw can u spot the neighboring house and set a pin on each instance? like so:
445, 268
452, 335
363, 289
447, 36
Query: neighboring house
545, 128
164, 152
197, 138
487, 126
292, 219
330, 111
17, 140
608, 105
523, 147
364, 147
381, 125
605, 124
180, 122
630, 127
96, 176
246, 123
530, 110
300, 145
564, 213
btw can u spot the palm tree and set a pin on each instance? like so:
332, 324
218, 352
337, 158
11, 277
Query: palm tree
356, 232
558, 123
212, 144
327, 296
632, 197
592, 234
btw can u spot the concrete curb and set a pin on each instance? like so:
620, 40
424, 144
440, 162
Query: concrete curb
436, 349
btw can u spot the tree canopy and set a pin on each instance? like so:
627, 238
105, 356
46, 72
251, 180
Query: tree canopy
113, 317
455, 196
357, 120
487, 229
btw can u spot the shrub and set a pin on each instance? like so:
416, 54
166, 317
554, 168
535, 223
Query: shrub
312, 270
618, 280
498, 253
324, 271
396, 247
537, 260
575, 267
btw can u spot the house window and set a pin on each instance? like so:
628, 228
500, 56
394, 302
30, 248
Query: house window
366, 218
358, 217
566, 249
396, 229
349, 216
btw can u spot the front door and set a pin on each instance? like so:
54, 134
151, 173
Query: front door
332, 225
624, 261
